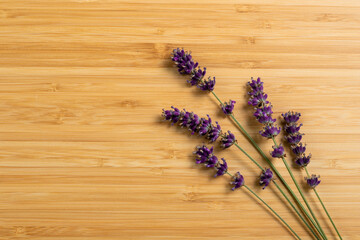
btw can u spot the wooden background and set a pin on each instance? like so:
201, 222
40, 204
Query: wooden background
84, 154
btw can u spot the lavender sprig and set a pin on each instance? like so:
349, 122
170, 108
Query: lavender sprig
202, 126
292, 129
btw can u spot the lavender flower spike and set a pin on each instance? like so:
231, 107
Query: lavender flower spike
205, 156
227, 140
207, 85
263, 108
293, 137
227, 108
238, 181
186, 65
202, 126
278, 152
266, 177
313, 181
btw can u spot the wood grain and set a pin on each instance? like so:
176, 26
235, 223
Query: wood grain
84, 154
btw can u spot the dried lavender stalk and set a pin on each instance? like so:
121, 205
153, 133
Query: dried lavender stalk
293, 137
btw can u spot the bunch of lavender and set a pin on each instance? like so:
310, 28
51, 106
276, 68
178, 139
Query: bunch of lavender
187, 66
294, 137
205, 155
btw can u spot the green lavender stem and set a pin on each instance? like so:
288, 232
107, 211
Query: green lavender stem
300, 191
268, 207
322, 204
278, 187
272, 166
272, 211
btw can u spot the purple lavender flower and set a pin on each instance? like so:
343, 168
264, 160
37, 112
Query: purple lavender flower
214, 132
183, 61
292, 128
278, 152
258, 99
270, 131
299, 149
313, 181
203, 153
187, 66
227, 108
202, 126
172, 115
194, 123
263, 108
221, 168
291, 117
205, 156
294, 139
197, 76
257, 86
303, 160
205, 126
207, 85
185, 118
238, 181
227, 140
266, 177
263, 115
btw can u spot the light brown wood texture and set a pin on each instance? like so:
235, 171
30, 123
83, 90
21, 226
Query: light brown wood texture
84, 153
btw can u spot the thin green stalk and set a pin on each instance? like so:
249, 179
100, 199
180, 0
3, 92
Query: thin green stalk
273, 167
272, 211
299, 189
278, 187
322, 204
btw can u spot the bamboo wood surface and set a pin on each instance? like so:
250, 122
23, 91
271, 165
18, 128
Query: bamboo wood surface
84, 154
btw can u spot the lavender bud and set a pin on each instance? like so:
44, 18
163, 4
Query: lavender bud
221, 168
278, 152
299, 149
291, 117
303, 161
204, 155
313, 181
172, 115
205, 125
266, 177
238, 181
227, 140
227, 108
270, 131
194, 123
183, 61
294, 139
207, 85
292, 128
214, 132
197, 76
